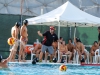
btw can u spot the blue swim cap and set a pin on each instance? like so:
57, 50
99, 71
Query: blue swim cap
0, 58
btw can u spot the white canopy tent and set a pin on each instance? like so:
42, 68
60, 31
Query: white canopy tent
67, 13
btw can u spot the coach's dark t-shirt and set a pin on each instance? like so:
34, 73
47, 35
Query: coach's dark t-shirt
49, 38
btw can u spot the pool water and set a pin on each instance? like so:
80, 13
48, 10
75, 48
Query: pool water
49, 69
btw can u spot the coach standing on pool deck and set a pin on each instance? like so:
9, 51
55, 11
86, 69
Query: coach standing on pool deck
49, 38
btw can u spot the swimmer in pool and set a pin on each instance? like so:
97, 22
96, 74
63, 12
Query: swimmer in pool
3, 63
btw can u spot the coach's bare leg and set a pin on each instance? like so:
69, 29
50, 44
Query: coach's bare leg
40, 56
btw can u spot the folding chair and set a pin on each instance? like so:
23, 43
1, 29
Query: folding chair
32, 54
97, 54
77, 57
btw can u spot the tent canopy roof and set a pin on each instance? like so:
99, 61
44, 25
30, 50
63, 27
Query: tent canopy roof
67, 13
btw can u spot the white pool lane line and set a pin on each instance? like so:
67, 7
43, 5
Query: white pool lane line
42, 63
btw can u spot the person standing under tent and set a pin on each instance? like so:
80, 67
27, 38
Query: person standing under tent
49, 38
99, 36
23, 40
14, 33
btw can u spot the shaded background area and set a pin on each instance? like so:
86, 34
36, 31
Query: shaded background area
87, 34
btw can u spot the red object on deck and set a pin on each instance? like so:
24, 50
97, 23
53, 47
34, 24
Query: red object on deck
27, 49
35, 43
90, 64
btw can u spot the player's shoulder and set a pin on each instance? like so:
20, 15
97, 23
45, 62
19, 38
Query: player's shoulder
13, 28
22, 27
81, 44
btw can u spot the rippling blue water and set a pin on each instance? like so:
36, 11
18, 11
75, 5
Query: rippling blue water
49, 69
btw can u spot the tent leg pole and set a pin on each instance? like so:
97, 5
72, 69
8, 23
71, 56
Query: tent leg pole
21, 11
74, 32
58, 41
74, 35
70, 32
